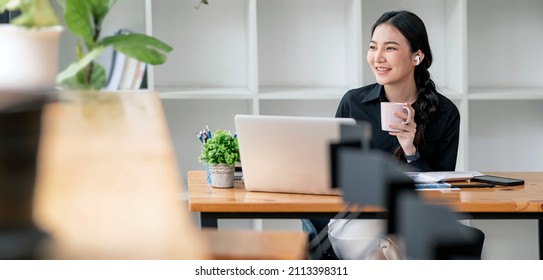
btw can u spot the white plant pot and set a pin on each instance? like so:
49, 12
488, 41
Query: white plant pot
28, 57
222, 175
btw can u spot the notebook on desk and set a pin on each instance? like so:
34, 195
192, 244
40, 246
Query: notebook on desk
442, 176
287, 154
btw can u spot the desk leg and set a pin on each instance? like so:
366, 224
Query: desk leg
208, 221
540, 235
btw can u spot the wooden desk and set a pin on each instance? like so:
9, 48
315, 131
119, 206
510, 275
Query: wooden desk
251, 245
519, 202
108, 182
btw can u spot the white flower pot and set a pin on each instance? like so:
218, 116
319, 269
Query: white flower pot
28, 57
222, 175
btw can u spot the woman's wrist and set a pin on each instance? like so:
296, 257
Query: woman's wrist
411, 151
412, 157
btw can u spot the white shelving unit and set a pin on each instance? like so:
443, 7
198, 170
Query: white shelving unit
505, 85
298, 57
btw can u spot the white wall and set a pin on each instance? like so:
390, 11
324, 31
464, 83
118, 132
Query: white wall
506, 135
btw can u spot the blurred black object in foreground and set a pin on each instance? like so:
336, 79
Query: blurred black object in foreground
20, 126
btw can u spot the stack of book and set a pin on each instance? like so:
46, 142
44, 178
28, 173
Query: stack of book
126, 73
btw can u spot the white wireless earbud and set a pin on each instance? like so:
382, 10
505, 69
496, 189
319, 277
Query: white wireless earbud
417, 58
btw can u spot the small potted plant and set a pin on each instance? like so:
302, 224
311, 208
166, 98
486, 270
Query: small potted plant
29, 46
220, 152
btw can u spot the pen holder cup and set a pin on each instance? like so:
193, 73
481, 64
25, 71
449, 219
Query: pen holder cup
208, 175
222, 175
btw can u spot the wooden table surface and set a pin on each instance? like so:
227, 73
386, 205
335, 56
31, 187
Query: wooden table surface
513, 199
253, 245
500, 202
108, 183
527, 198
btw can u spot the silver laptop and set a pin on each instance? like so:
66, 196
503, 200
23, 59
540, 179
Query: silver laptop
287, 154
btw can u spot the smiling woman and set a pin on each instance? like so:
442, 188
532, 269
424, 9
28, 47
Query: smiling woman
427, 137
399, 55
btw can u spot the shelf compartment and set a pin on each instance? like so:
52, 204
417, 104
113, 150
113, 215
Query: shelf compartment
306, 43
210, 44
504, 53
512, 140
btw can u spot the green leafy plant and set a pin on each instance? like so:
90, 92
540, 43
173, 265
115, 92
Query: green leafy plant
84, 19
34, 13
221, 148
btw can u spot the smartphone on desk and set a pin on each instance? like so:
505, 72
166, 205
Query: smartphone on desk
473, 185
502, 181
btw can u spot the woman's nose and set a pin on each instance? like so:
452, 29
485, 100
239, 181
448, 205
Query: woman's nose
379, 57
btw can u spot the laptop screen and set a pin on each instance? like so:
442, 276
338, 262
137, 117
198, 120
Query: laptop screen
287, 153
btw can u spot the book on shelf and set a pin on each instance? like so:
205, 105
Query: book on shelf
143, 84
138, 75
129, 70
116, 70
126, 73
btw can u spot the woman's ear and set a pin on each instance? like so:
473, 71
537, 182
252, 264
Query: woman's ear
419, 56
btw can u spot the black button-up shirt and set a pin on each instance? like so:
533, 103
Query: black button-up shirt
441, 134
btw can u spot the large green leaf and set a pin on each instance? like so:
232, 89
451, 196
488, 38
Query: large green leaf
78, 19
144, 48
99, 9
77, 66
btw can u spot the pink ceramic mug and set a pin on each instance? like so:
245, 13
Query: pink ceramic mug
387, 115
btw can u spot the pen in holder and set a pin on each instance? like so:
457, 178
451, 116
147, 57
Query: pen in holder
203, 136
